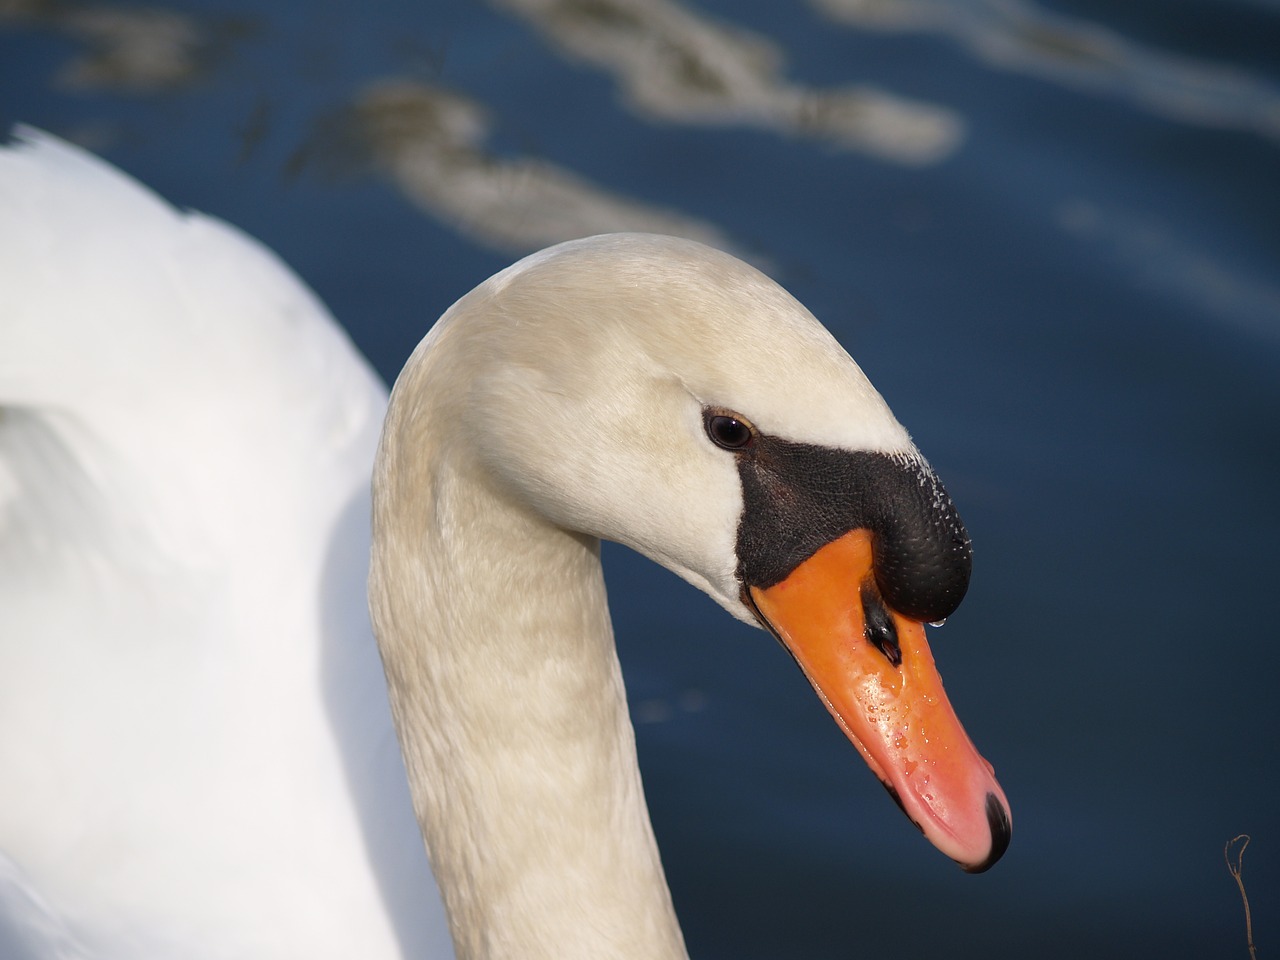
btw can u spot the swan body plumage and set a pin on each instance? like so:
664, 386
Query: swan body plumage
188, 690
195, 743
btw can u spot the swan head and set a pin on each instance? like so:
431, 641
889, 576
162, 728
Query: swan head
667, 396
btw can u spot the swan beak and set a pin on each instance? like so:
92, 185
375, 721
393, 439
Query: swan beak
872, 668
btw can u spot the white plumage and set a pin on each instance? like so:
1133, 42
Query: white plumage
195, 746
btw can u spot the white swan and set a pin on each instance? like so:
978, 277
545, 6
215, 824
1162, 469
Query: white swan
639, 388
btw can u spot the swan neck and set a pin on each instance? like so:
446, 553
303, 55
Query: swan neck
509, 704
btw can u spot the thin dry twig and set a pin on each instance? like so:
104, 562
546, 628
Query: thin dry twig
1236, 869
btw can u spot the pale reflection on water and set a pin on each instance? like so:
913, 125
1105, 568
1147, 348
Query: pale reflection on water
681, 67
1017, 35
430, 142
128, 49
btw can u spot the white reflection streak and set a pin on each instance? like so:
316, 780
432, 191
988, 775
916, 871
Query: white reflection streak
428, 141
1018, 36
682, 68
1170, 266
129, 49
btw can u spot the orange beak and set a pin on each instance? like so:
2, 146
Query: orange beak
896, 713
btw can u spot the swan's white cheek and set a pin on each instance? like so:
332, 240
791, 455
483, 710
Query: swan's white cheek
687, 521
680, 511
634, 467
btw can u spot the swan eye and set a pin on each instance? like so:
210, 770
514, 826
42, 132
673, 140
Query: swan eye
728, 431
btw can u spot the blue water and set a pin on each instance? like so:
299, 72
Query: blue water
1073, 302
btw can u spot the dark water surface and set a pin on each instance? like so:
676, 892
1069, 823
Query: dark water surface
1051, 236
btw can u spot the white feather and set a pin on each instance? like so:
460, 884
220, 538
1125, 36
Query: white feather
194, 736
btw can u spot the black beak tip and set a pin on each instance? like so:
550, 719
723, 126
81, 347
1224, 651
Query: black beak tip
1001, 831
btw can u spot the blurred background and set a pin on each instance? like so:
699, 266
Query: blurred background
1050, 234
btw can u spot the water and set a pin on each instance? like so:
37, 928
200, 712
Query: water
1056, 255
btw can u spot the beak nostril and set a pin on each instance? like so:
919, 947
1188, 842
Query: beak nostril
878, 625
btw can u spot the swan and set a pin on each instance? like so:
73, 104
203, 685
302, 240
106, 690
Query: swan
642, 389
